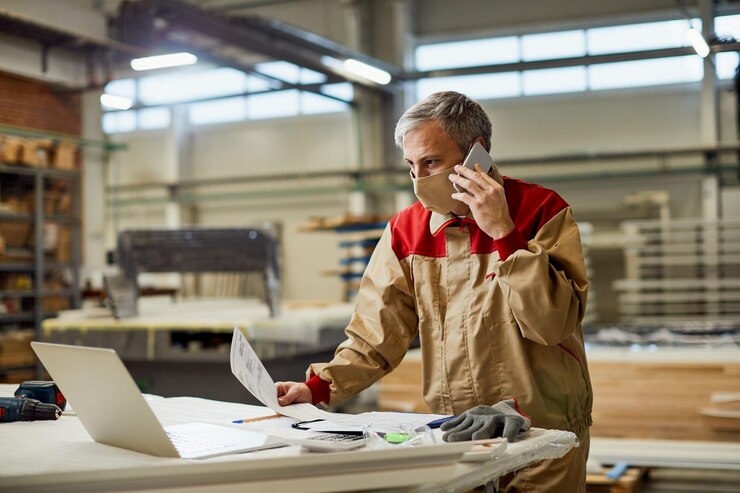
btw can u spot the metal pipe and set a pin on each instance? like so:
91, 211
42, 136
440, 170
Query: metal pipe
566, 62
390, 187
586, 158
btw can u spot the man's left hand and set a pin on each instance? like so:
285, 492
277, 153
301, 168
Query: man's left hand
486, 199
482, 422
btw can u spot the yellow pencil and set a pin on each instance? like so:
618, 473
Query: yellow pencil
251, 420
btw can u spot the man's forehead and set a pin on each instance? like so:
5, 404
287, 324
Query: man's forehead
428, 139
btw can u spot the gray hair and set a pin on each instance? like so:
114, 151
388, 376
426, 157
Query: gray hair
461, 118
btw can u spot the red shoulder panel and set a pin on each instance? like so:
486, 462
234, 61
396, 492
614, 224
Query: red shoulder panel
410, 234
531, 206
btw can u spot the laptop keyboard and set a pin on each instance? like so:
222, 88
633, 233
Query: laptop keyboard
190, 445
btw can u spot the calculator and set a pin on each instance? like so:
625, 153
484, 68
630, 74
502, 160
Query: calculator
327, 442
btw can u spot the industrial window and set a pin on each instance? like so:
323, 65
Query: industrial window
726, 64
119, 122
123, 87
645, 72
468, 53
273, 104
572, 44
547, 46
189, 86
218, 111
638, 37
554, 80
290, 72
153, 118
727, 26
341, 90
312, 104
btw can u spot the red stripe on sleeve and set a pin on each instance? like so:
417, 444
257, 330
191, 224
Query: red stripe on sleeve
510, 243
320, 390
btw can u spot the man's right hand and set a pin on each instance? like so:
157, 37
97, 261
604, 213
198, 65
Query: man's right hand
292, 393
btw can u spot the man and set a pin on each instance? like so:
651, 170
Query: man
494, 283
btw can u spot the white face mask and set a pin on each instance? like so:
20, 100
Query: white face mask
434, 192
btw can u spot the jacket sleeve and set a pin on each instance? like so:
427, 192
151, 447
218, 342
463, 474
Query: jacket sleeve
546, 284
383, 325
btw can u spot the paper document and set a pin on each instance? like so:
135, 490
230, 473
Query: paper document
249, 370
383, 422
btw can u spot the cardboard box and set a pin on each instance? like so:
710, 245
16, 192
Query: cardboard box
17, 234
10, 149
18, 204
15, 348
58, 201
64, 245
35, 152
64, 155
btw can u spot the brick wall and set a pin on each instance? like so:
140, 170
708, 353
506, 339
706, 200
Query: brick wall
38, 105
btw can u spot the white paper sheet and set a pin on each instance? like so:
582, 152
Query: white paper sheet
249, 370
384, 422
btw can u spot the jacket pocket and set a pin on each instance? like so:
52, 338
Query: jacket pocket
426, 273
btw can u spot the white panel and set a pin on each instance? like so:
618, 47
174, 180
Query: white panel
275, 146
598, 121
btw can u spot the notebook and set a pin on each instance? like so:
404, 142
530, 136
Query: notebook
111, 408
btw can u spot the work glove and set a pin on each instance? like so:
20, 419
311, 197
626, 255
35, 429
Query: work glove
482, 422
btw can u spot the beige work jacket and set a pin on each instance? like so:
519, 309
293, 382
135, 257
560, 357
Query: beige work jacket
490, 329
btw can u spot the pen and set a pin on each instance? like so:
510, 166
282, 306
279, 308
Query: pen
261, 418
438, 422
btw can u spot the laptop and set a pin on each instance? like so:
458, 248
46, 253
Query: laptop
111, 408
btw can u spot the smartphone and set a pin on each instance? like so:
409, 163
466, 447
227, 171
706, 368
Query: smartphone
479, 155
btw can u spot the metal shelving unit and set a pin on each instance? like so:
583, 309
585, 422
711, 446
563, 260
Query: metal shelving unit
680, 271
38, 267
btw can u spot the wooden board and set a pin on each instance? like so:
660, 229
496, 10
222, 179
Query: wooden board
642, 399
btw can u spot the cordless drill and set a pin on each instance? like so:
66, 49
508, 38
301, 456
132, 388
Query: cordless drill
25, 409
34, 400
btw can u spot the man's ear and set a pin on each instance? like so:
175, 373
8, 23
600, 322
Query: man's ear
479, 140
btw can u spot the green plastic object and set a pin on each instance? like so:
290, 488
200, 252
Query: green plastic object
396, 437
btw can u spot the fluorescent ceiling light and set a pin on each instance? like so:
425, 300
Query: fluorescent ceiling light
113, 102
366, 71
163, 61
698, 42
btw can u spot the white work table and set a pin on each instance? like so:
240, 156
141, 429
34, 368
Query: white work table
60, 456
